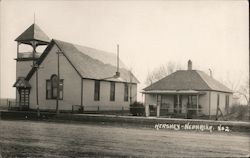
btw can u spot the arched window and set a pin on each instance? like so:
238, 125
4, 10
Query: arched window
52, 87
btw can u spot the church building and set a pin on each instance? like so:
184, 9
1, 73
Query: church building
66, 76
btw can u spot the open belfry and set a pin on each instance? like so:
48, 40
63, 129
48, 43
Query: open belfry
33, 37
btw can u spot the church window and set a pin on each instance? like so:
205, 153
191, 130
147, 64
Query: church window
52, 87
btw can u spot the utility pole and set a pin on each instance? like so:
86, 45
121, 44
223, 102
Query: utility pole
130, 87
58, 81
37, 100
36, 67
248, 66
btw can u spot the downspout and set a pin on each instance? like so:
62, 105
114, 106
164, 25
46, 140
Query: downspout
82, 94
130, 88
197, 105
209, 100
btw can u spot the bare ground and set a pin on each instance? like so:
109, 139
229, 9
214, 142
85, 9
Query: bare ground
39, 139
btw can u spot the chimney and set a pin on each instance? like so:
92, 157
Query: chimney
211, 73
189, 65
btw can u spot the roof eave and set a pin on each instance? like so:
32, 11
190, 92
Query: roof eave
173, 92
146, 90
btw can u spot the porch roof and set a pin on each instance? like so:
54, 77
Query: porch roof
22, 83
173, 92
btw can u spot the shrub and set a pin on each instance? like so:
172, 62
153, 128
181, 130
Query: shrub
239, 113
137, 109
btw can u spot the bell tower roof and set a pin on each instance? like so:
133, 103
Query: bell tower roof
33, 33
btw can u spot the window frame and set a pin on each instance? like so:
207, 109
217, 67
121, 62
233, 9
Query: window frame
112, 91
97, 88
218, 100
51, 96
54, 86
227, 103
48, 90
192, 101
126, 92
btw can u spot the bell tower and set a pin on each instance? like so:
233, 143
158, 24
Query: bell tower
32, 38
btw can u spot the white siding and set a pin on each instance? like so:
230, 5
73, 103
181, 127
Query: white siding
23, 68
204, 102
184, 103
72, 82
72, 87
104, 103
150, 99
222, 102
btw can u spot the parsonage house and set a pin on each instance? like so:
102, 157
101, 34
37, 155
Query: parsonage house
67, 75
187, 94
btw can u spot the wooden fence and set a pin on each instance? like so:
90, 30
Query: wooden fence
7, 103
100, 109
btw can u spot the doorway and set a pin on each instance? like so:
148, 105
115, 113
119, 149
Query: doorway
24, 94
176, 104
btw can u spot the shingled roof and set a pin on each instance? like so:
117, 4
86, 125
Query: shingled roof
90, 63
188, 80
33, 33
94, 64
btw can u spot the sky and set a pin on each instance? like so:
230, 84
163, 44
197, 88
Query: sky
213, 34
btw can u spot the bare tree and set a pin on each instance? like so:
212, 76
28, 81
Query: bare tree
243, 91
161, 72
239, 87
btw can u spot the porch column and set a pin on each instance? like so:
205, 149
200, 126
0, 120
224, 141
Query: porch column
178, 103
197, 104
146, 105
158, 104
209, 105
146, 110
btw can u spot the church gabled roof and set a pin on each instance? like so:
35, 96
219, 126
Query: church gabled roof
33, 33
188, 80
93, 63
90, 63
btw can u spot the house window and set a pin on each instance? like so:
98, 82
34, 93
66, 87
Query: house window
48, 89
192, 101
218, 100
126, 92
112, 91
227, 103
97, 91
52, 87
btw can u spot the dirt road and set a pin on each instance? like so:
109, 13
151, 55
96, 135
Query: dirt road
39, 139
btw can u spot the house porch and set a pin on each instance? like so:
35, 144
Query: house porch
183, 104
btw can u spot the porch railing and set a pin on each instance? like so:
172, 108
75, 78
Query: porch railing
22, 55
176, 112
171, 110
